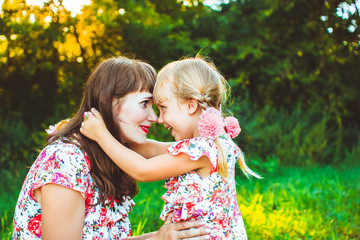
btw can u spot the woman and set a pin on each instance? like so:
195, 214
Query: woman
73, 190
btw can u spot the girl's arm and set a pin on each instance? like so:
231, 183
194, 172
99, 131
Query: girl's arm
158, 168
151, 148
62, 212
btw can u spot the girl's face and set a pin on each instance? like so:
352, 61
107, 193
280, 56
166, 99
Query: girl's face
135, 117
175, 115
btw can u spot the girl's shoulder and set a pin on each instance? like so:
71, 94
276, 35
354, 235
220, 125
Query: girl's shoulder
200, 146
196, 148
199, 143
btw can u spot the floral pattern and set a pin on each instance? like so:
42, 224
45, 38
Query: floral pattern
211, 199
65, 164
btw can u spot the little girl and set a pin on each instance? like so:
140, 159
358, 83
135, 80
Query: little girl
200, 167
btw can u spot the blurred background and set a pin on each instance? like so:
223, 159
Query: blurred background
294, 69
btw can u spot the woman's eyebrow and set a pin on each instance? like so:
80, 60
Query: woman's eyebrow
148, 97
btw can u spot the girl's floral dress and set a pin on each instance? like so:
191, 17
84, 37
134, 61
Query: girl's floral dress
65, 164
211, 199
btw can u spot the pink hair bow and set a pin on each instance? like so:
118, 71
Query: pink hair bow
212, 124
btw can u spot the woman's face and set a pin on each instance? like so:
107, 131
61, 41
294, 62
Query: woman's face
135, 116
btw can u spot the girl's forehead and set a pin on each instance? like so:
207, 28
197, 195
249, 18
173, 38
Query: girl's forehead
163, 92
163, 95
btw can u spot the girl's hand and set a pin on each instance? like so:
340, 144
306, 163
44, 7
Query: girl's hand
93, 125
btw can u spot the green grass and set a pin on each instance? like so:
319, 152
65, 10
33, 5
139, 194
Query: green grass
10, 183
290, 203
305, 203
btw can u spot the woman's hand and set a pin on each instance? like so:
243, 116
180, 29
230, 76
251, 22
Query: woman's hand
93, 125
183, 230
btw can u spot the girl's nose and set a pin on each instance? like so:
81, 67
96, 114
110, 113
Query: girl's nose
160, 119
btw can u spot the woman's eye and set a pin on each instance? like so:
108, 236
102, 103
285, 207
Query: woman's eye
143, 103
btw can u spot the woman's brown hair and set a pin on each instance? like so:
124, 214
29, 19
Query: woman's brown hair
111, 80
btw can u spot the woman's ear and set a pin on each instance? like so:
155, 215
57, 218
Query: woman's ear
192, 106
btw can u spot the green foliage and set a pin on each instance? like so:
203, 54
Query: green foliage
18, 143
301, 97
298, 137
283, 53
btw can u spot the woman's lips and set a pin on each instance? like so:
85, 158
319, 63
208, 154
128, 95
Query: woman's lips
145, 128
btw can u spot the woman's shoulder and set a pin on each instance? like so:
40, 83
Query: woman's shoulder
65, 146
67, 154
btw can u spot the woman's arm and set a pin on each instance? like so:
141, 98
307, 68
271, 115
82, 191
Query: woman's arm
158, 168
62, 212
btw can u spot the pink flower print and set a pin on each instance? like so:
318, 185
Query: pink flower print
111, 205
89, 200
78, 180
87, 160
62, 180
49, 164
103, 219
35, 225
215, 196
182, 144
172, 184
213, 169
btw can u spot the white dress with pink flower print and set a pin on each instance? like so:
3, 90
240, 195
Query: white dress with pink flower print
211, 199
65, 164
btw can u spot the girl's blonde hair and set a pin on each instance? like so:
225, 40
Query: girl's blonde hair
198, 79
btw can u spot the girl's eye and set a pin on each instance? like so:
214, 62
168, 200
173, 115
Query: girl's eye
161, 108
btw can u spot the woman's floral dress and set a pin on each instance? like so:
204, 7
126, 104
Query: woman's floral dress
211, 199
65, 164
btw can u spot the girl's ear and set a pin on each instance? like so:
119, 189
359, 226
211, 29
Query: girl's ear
192, 106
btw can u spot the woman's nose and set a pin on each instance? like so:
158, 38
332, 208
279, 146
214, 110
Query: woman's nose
152, 116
